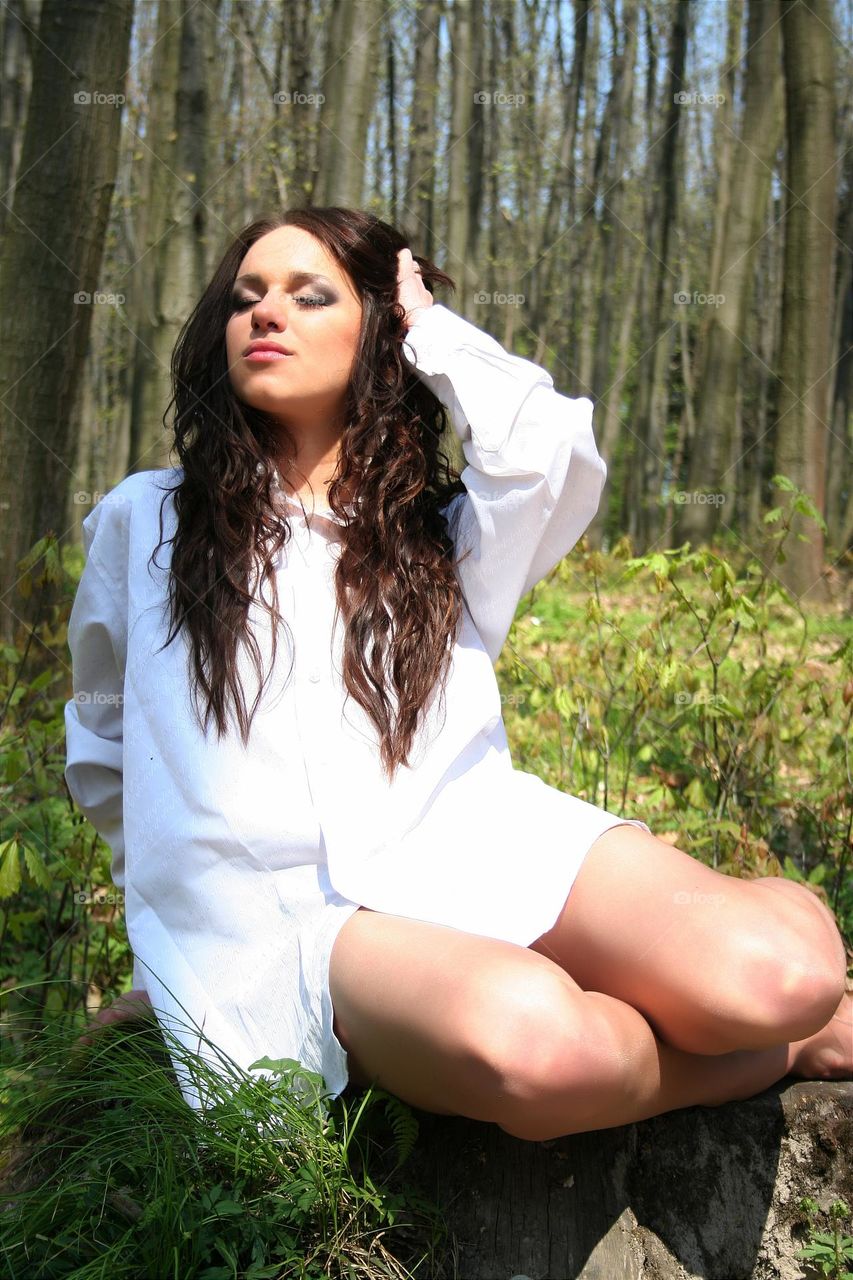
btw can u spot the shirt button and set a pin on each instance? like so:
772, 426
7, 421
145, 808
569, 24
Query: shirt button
314, 677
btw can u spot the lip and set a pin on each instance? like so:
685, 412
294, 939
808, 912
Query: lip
265, 350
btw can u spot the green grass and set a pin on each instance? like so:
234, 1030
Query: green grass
110, 1173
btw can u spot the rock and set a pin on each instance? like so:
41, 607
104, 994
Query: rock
702, 1192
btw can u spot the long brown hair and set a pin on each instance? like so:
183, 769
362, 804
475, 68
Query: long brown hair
395, 581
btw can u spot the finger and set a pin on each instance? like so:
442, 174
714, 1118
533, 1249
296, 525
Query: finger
406, 264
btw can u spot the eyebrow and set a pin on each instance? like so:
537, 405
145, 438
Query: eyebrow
296, 278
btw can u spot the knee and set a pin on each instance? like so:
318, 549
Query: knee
789, 986
545, 1041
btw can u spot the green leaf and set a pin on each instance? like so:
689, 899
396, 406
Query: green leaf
36, 867
10, 869
43, 680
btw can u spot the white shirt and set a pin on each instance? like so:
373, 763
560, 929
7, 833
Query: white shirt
240, 864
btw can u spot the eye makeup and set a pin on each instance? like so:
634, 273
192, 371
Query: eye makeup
295, 279
304, 300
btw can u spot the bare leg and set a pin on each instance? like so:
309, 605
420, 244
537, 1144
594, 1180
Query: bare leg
714, 963
647, 1078
465, 1025
828, 1055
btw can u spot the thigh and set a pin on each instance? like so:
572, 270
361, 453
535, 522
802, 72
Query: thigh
418, 1008
684, 944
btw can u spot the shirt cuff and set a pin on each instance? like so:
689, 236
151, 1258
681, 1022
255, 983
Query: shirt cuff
436, 330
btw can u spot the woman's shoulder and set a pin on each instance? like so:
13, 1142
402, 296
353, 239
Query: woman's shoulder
141, 485
135, 501
137, 489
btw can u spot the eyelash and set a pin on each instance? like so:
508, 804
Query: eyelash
305, 300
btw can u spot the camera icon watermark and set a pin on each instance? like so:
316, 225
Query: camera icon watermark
682, 298
83, 98
484, 298
97, 698
681, 497
87, 498
496, 98
702, 697
99, 898
698, 99
284, 98
99, 299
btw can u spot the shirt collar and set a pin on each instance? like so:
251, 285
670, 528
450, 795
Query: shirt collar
325, 513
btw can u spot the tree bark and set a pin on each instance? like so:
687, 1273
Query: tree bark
646, 474
462, 107
710, 471
55, 245
805, 373
349, 84
417, 206
173, 269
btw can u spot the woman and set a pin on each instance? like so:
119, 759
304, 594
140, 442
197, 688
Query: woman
350, 871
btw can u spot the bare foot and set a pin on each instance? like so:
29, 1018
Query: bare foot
827, 1055
133, 1004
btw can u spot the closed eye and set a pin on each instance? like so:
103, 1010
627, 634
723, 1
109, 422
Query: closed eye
304, 300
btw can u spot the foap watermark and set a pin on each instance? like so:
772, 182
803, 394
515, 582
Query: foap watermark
100, 897
684, 897
87, 498
99, 299
701, 697
694, 99
682, 496
83, 98
497, 98
484, 298
284, 98
684, 299
96, 697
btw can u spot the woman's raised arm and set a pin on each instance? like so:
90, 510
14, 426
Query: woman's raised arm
534, 476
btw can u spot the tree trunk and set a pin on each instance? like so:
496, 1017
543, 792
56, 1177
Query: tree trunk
561, 195
303, 139
646, 475
612, 227
55, 245
805, 373
16, 44
725, 120
709, 471
462, 107
839, 470
417, 206
620, 1204
176, 218
349, 83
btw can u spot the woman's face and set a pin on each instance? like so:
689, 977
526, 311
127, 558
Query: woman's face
298, 298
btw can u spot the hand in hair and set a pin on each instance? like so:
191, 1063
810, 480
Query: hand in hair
412, 294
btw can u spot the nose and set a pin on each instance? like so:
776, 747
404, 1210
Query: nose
269, 313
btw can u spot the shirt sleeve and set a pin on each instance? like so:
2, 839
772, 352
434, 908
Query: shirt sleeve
97, 638
533, 478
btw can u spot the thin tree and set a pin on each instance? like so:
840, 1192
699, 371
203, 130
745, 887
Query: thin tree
805, 358
54, 246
